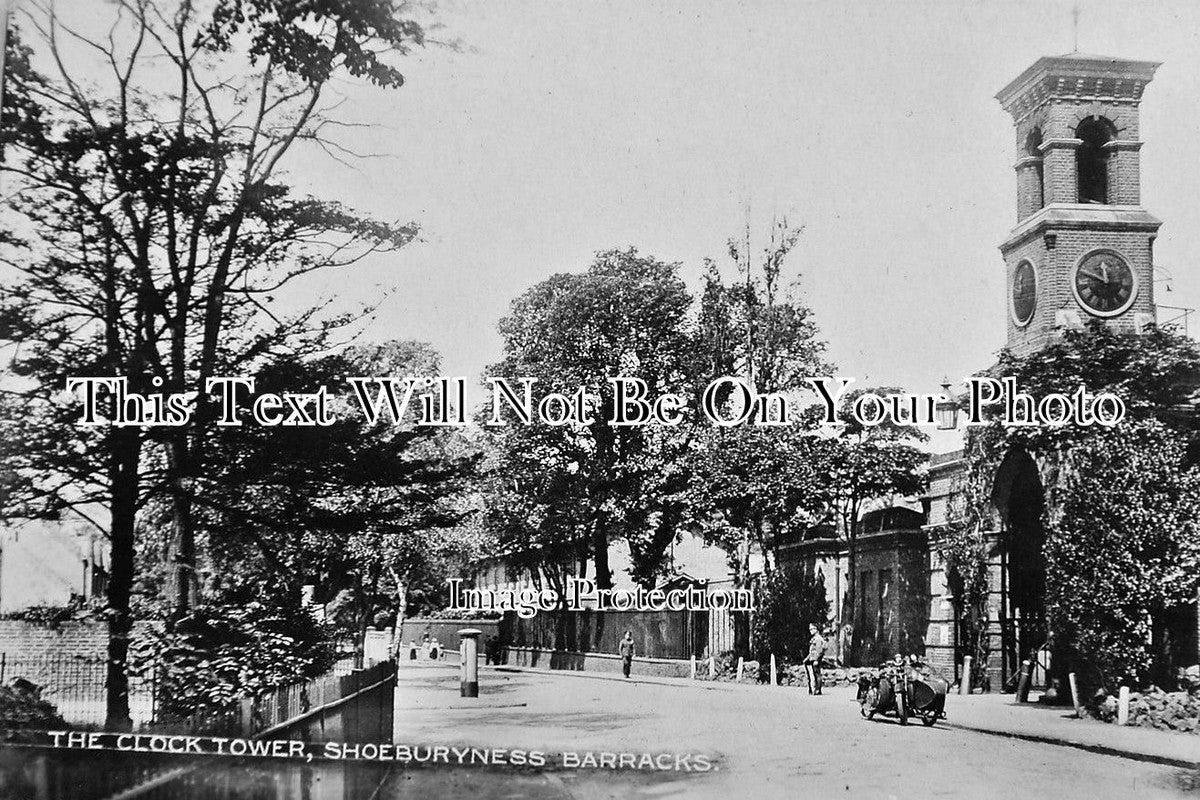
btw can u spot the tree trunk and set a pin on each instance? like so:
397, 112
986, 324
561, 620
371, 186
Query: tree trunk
360, 641
360, 622
182, 565
123, 491
741, 580
183, 562
600, 553
767, 552
401, 611
850, 602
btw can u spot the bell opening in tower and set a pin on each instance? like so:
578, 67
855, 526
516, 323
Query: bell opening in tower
1091, 159
1033, 149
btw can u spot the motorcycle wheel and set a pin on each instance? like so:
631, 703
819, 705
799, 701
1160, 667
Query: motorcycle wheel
929, 718
902, 707
867, 709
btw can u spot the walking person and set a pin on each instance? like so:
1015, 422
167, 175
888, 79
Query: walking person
626, 651
812, 663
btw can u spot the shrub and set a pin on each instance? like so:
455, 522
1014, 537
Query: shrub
22, 707
1123, 551
221, 652
788, 601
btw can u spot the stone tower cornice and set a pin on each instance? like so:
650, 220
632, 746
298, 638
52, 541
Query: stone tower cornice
1067, 216
1076, 77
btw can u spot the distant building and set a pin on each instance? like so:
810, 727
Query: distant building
892, 587
44, 563
701, 562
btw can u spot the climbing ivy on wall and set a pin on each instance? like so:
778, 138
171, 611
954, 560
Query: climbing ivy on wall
1124, 551
1155, 374
963, 547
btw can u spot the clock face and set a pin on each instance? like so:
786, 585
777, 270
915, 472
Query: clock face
1024, 293
1104, 284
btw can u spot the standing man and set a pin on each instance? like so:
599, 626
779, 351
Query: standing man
626, 650
812, 664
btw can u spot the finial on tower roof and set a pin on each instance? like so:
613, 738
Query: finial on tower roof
1075, 16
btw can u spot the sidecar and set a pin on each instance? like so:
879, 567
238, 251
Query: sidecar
910, 695
927, 698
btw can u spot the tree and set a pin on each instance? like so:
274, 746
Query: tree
869, 463
629, 315
659, 479
768, 486
788, 602
1155, 373
774, 482
626, 316
362, 508
535, 506
1124, 552
153, 237
359, 511
753, 326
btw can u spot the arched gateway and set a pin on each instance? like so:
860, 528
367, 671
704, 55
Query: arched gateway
1018, 498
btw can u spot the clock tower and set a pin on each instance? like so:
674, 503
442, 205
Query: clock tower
1083, 245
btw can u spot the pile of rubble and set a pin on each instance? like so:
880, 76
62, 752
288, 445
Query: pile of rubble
1155, 708
725, 667
795, 675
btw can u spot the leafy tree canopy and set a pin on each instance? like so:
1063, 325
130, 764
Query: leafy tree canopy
1122, 549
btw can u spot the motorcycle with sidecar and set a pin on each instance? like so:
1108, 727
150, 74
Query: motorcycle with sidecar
900, 689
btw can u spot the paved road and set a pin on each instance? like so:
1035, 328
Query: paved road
765, 743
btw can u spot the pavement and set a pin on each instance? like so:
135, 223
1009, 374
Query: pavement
766, 742
996, 714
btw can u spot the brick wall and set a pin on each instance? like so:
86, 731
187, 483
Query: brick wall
941, 638
1059, 167
1053, 117
27, 640
893, 588
1124, 173
1055, 269
1030, 195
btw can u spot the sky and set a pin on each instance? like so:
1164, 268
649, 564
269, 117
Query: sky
559, 129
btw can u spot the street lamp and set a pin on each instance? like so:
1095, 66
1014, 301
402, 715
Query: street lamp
947, 410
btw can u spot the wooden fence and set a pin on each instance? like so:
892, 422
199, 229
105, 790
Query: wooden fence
353, 708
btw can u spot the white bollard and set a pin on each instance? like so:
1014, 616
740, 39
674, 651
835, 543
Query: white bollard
1123, 706
741, 664
964, 686
1075, 695
773, 680
712, 667
468, 666
693, 667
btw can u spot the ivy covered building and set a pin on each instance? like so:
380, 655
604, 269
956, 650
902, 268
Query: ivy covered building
1078, 262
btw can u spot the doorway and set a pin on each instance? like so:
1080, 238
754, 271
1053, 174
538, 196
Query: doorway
1020, 499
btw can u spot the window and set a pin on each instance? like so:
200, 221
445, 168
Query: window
1033, 147
1091, 159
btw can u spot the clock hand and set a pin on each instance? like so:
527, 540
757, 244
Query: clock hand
1090, 274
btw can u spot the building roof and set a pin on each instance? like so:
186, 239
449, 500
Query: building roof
1079, 76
